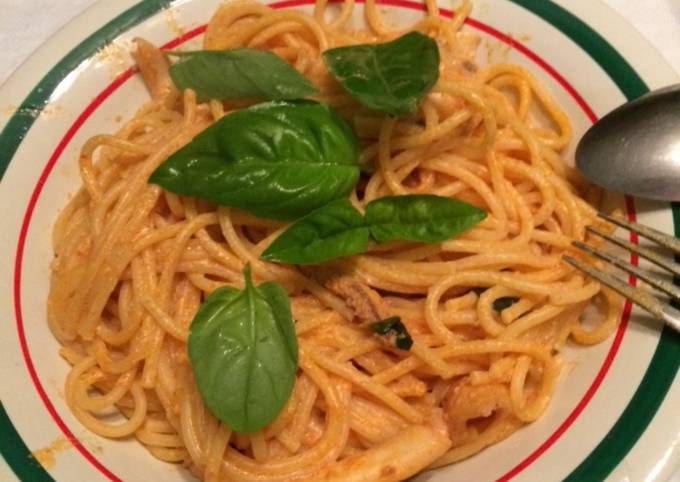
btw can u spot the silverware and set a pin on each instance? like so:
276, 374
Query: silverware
635, 149
639, 296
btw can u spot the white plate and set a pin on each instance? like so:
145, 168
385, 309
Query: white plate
616, 416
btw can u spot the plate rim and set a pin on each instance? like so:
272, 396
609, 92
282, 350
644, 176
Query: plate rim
133, 17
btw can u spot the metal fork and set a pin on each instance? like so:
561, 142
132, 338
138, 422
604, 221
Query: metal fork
639, 296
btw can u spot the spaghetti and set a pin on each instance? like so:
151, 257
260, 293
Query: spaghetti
133, 263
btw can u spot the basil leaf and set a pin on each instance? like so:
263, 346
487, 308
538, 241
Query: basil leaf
332, 231
500, 304
243, 72
278, 160
337, 229
243, 353
394, 327
420, 217
390, 77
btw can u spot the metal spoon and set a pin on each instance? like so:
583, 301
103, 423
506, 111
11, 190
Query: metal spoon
635, 149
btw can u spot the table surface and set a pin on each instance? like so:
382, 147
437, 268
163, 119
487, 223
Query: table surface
26, 24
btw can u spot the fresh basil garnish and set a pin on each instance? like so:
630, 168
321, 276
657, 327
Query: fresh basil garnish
243, 72
243, 353
338, 230
390, 77
500, 304
420, 217
393, 326
278, 160
332, 231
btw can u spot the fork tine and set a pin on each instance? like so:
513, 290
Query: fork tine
636, 295
645, 231
636, 271
646, 253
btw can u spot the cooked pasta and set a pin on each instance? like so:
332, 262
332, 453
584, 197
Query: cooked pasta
134, 262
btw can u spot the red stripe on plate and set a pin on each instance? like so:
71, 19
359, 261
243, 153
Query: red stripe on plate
597, 381
408, 4
70, 133
19, 256
537, 60
184, 37
122, 78
564, 426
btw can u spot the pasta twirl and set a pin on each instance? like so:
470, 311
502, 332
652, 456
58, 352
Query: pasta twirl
133, 263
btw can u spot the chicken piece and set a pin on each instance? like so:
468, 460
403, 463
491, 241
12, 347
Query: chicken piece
465, 403
408, 386
364, 301
400, 457
154, 69
314, 430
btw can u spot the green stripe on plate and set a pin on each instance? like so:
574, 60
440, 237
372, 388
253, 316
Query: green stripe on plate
660, 373
13, 449
666, 359
638, 413
17, 455
601, 51
29, 110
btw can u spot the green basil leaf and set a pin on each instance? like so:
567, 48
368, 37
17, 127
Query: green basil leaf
243, 72
500, 304
393, 326
420, 217
338, 230
390, 77
278, 160
332, 231
243, 353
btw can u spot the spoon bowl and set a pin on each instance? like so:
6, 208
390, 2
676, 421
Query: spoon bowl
635, 149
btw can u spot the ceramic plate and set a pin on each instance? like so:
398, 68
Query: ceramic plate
616, 412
